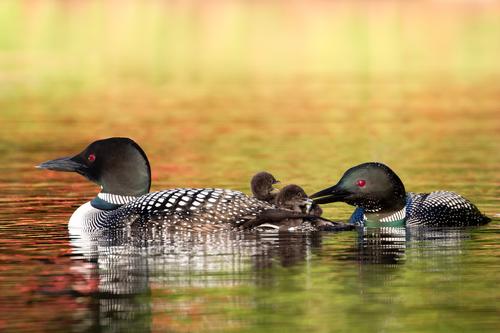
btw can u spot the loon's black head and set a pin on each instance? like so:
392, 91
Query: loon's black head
372, 186
119, 165
292, 196
262, 185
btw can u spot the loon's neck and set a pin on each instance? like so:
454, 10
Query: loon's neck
93, 214
108, 201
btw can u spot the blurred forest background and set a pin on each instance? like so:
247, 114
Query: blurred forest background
85, 44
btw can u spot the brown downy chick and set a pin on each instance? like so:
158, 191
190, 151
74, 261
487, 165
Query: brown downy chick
294, 198
262, 187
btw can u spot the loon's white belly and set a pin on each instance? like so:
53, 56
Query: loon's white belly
81, 217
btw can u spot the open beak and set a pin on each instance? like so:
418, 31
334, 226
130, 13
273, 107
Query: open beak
63, 164
331, 194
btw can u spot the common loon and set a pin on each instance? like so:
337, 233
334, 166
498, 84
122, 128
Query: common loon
262, 186
382, 201
292, 197
122, 170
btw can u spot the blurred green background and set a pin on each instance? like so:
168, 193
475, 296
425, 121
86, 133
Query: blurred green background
70, 45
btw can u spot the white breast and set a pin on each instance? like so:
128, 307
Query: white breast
81, 217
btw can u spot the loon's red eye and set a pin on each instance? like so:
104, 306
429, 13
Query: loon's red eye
91, 158
361, 183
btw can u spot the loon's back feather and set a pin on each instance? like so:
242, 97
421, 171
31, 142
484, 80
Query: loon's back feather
189, 208
442, 208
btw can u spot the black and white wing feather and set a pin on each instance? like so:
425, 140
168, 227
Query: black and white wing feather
442, 208
190, 208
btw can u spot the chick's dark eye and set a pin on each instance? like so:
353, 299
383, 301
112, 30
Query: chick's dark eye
91, 158
361, 183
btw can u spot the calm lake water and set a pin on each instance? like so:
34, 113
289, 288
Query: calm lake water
437, 134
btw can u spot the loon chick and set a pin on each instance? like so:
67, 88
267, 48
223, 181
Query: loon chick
293, 197
262, 186
122, 170
382, 200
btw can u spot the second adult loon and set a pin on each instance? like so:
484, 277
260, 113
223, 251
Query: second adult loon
122, 170
382, 200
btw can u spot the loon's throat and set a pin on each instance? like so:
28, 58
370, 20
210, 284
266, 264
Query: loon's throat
108, 201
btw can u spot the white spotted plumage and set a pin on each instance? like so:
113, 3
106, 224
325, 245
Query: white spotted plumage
442, 208
196, 209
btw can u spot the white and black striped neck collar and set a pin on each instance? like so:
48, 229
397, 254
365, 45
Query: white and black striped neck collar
116, 198
108, 201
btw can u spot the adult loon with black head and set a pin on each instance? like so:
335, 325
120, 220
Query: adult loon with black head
122, 170
382, 201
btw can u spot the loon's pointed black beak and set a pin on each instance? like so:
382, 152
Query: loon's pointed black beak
331, 194
67, 164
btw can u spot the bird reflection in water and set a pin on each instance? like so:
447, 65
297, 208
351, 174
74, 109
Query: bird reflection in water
385, 255
141, 273
134, 266
392, 245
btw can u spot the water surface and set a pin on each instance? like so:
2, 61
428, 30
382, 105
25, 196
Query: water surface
432, 281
